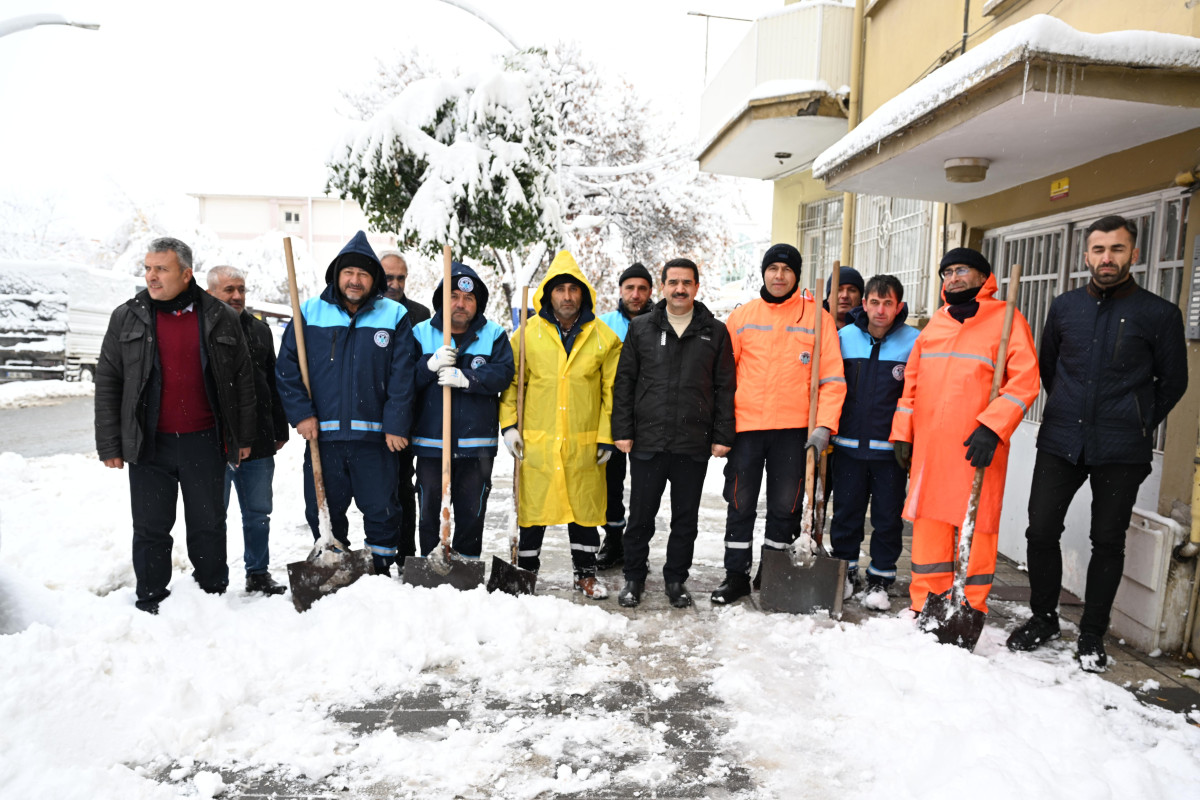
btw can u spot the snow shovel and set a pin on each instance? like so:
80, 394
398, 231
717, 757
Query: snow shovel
443, 566
506, 576
804, 578
329, 566
949, 616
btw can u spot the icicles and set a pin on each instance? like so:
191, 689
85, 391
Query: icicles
1025, 82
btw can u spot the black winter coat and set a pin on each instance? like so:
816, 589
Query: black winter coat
129, 384
674, 394
271, 424
1112, 365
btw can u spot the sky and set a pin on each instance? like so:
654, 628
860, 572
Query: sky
170, 98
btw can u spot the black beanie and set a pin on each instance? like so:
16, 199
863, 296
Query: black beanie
966, 257
784, 254
636, 271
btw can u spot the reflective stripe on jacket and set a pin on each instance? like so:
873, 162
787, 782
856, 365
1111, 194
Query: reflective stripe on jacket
946, 386
773, 345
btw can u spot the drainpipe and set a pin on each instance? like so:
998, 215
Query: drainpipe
855, 111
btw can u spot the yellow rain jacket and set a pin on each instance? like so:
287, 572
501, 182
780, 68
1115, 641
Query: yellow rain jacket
568, 406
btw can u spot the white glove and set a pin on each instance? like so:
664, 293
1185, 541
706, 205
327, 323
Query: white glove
444, 356
819, 439
514, 442
452, 377
602, 456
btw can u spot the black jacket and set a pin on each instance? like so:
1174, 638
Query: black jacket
1112, 364
271, 423
416, 311
129, 384
675, 394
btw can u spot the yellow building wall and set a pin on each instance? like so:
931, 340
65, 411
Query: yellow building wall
790, 194
906, 38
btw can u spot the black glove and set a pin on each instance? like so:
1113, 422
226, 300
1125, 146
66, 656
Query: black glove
981, 446
903, 451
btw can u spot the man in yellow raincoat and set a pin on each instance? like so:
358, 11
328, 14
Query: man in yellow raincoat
570, 363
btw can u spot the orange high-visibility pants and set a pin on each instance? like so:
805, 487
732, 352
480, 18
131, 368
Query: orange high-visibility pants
933, 545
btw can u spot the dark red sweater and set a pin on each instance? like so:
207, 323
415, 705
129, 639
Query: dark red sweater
184, 407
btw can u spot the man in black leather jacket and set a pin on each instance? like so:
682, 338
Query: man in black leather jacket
174, 400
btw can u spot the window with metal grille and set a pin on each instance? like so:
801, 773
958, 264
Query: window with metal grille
819, 232
893, 236
1051, 254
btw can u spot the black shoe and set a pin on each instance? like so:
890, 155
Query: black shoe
630, 595
679, 596
612, 552
1092, 657
1037, 630
263, 583
757, 582
736, 585
151, 606
382, 565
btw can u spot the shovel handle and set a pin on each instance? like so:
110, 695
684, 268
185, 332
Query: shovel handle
446, 434
302, 354
524, 317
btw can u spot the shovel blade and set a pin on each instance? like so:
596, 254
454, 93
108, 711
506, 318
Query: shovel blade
510, 579
952, 622
463, 574
311, 580
802, 588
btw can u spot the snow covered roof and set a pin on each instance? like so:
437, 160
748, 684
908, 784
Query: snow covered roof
1039, 38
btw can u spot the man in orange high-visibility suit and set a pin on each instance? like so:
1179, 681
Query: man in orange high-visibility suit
773, 348
945, 426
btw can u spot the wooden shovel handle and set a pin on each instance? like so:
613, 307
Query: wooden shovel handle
524, 317
446, 436
302, 354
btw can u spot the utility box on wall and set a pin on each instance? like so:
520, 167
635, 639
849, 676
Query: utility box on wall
1152, 602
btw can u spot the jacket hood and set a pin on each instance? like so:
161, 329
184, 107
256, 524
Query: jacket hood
564, 264
986, 292
478, 288
358, 253
859, 318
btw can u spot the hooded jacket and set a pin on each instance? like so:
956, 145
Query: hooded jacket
772, 345
874, 383
947, 382
129, 382
485, 358
568, 408
674, 394
360, 366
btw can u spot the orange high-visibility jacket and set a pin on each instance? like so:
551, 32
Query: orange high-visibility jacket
773, 345
946, 386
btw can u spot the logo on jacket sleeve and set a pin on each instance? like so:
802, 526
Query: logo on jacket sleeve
383, 338
898, 372
477, 362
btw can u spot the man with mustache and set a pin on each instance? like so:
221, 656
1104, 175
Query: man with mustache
672, 409
361, 361
1114, 363
636, 285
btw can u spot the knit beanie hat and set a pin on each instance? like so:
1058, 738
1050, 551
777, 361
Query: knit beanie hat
636, 271
784, 254
966, 257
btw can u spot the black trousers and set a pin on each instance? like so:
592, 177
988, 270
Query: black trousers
1114, 491
650, 473
614, 477
781, 452
881, 484
470, 485
585, 542
405, 501
191, 463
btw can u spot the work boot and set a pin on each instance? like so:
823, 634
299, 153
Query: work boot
263, 583
679, 596
757, 582
630, 595
736, 585
612, 552
1037, 630
382, 565
876, 596
1092, 657
591, 587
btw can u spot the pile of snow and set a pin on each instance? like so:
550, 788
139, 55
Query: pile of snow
20, 394
1039, 36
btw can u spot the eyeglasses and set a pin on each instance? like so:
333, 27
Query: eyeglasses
955, 271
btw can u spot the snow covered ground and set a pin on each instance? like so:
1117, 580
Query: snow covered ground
99, 700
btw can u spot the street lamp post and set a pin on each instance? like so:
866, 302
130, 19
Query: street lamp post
28, 21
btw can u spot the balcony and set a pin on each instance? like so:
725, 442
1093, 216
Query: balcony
777, 102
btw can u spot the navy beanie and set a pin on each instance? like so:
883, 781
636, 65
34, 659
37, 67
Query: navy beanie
784, 254
636, 271
847, 275
967, 257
